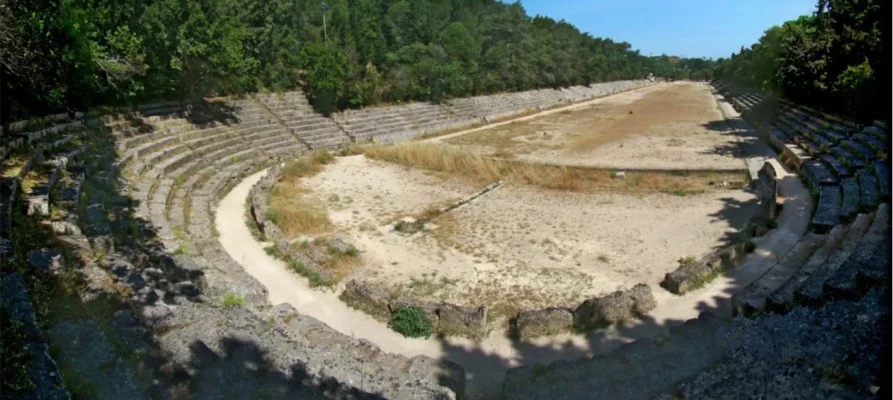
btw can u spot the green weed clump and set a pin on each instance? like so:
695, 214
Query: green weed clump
410, 322
231, 300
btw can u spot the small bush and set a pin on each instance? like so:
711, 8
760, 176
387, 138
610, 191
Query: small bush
231, 300
410, 322
271, 250
749, 246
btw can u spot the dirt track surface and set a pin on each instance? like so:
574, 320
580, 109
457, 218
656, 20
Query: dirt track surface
485, 362
518, 246
666, 126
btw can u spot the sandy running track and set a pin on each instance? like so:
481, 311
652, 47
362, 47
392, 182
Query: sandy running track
485, 363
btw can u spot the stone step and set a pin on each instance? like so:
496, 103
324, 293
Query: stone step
638, 370
850, 202
751, 300
868, 263
827, 212
782, 299
817, 174
879, 146
838, 168
870, 196
882, 171
844, 156
859, 150
810, 291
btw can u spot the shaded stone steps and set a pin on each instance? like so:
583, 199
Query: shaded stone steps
809, 290
882, 171
782, 299
639, 370
828, 353
751, 300
835, 166
869, 262
870, 196
851, 202
844, 156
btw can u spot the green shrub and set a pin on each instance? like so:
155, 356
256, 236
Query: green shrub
231, 300
410, 322
314, 277
272, 215
749, 246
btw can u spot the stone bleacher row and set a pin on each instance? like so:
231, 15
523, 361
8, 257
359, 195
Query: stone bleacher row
400, 122
137, 189
846, 165
819, 305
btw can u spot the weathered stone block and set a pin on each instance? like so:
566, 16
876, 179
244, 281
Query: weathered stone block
549, 321
768, 191
48, 261
616, 307
367, 298
463, 321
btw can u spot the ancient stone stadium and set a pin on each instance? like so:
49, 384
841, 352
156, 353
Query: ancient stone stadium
722, 243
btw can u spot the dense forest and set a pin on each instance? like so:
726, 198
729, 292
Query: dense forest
835, 59
73, 54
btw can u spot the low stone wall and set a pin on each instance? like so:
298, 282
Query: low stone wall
310, 258
594, 313
691, 276
258, 204
445, 318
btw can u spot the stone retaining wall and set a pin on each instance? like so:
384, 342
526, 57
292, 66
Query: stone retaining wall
594, 313
445, 318
691, 276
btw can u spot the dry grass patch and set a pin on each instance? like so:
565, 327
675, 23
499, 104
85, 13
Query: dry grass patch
12, 166
290, 207
482, 169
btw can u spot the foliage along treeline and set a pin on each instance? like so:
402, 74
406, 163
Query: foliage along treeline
73, 54
835, 59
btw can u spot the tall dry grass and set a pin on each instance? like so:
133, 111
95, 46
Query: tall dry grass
289, 205
482, 169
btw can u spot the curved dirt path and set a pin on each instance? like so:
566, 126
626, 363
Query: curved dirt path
485, 363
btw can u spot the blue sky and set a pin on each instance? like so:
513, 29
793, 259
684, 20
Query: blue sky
693, 28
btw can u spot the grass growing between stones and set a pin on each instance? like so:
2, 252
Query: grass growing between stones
231, 300
482, 169
313, 277
17, 361
289, 206
410, 322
